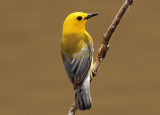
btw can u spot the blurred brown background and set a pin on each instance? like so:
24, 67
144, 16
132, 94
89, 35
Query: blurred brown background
32, 76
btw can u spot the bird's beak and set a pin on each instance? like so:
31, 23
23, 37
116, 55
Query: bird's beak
91, 15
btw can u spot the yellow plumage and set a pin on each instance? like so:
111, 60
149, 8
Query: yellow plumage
74, 34
70, 45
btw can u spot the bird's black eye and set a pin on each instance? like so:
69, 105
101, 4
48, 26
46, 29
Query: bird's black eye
79, 18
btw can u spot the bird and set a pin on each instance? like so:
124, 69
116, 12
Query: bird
77, 54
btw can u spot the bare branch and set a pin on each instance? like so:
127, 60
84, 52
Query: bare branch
107, 36
73, 108
104, 46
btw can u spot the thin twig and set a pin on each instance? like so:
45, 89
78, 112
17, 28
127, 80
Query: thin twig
107, 36
104, 46
73, 108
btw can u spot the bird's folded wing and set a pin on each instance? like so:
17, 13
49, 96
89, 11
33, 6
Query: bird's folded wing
78, 66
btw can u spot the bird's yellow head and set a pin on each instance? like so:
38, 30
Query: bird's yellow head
75, 22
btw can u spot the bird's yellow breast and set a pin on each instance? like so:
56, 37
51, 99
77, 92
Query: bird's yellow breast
73, 43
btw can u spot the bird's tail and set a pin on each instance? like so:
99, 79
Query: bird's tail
83, 96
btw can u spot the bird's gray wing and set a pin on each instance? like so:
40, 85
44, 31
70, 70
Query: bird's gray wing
78, 66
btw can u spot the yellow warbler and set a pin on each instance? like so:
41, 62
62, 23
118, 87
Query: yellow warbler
77, 53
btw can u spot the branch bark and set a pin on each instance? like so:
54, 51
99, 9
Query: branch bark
104, 46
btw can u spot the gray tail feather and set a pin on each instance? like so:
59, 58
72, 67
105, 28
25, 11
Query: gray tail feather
84, 99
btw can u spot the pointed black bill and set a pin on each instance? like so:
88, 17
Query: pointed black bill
91, 15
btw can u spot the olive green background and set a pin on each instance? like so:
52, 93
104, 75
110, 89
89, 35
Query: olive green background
33, 80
